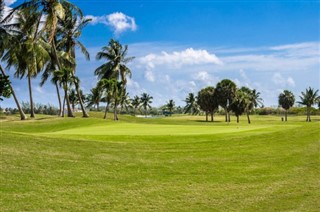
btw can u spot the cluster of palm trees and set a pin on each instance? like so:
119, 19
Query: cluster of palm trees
41, 37
308, 98
227, 96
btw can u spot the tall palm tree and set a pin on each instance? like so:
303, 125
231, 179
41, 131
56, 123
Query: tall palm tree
71, 30
94, 97
31, 54
6, 39
286, 100
239, 103
170, 106
252, 99
146, 101
226, 90
135, 102
125, 101
309, 98
112, 89
115, 67
192, 107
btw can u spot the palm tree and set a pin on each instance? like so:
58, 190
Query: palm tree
192, 107
170, 106
240, 102
71, 29
309, 98
253, 100
207, 101
73, 99
146, 101
115, 67
125, 101
286, 100
112, 90
94, 97
31, 54
6, 39
226, 90
135, 102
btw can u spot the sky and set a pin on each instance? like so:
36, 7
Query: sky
182, 46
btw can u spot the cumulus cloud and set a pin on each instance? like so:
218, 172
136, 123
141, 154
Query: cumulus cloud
278, 79
149, 75
177, 59
117, 21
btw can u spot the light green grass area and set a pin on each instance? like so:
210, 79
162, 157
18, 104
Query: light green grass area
178, 163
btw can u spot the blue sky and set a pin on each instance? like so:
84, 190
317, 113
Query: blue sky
183, 46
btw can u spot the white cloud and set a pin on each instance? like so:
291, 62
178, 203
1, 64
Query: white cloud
39, 90
178, 59
148, 74
9, 2
118, 22
278, 79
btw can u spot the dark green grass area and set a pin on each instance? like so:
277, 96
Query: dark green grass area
266, 166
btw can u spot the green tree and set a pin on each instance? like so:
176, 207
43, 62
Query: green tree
309, 98
191, 105
71, 30
5, 90
125, 101
135, 102
146, 101
30, 55
253, 100
286, 100
239, 103
116, 59
207, 100
94, 97
170, 106
226, 90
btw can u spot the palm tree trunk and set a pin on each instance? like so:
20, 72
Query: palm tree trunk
31, 99
70, 114
59, 99
211, 116
249, 121
22, 114
97, 106
106, 111
115, 116
63, 106
285, 115
206, 116
308, 114
226, 114
84, 112
237, 119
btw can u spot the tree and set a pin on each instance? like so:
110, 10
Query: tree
309, 98
5, 90
146, 101
226, 90
115, 67
207, 101
135, 102
286, 100
125, 101
239, 103
253, 100
6, 38
71, 29
30, 54
170, 106
94, 97
191, 107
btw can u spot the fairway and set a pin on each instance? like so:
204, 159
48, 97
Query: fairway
166, 164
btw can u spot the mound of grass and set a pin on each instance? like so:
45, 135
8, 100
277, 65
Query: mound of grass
167, 164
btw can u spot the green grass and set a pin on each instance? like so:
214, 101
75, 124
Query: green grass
167, 164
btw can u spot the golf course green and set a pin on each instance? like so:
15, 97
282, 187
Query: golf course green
179, 163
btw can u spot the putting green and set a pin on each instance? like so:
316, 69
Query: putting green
156, 129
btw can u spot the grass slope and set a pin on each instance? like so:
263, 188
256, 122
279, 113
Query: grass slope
178, 163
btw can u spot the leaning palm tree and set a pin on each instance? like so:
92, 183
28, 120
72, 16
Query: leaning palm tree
192, 107
309, 98
286, 100
71, 30
253, 100
30, 55
115, 67
146, 101
6, 39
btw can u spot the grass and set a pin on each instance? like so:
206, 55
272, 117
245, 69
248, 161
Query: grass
165, 164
